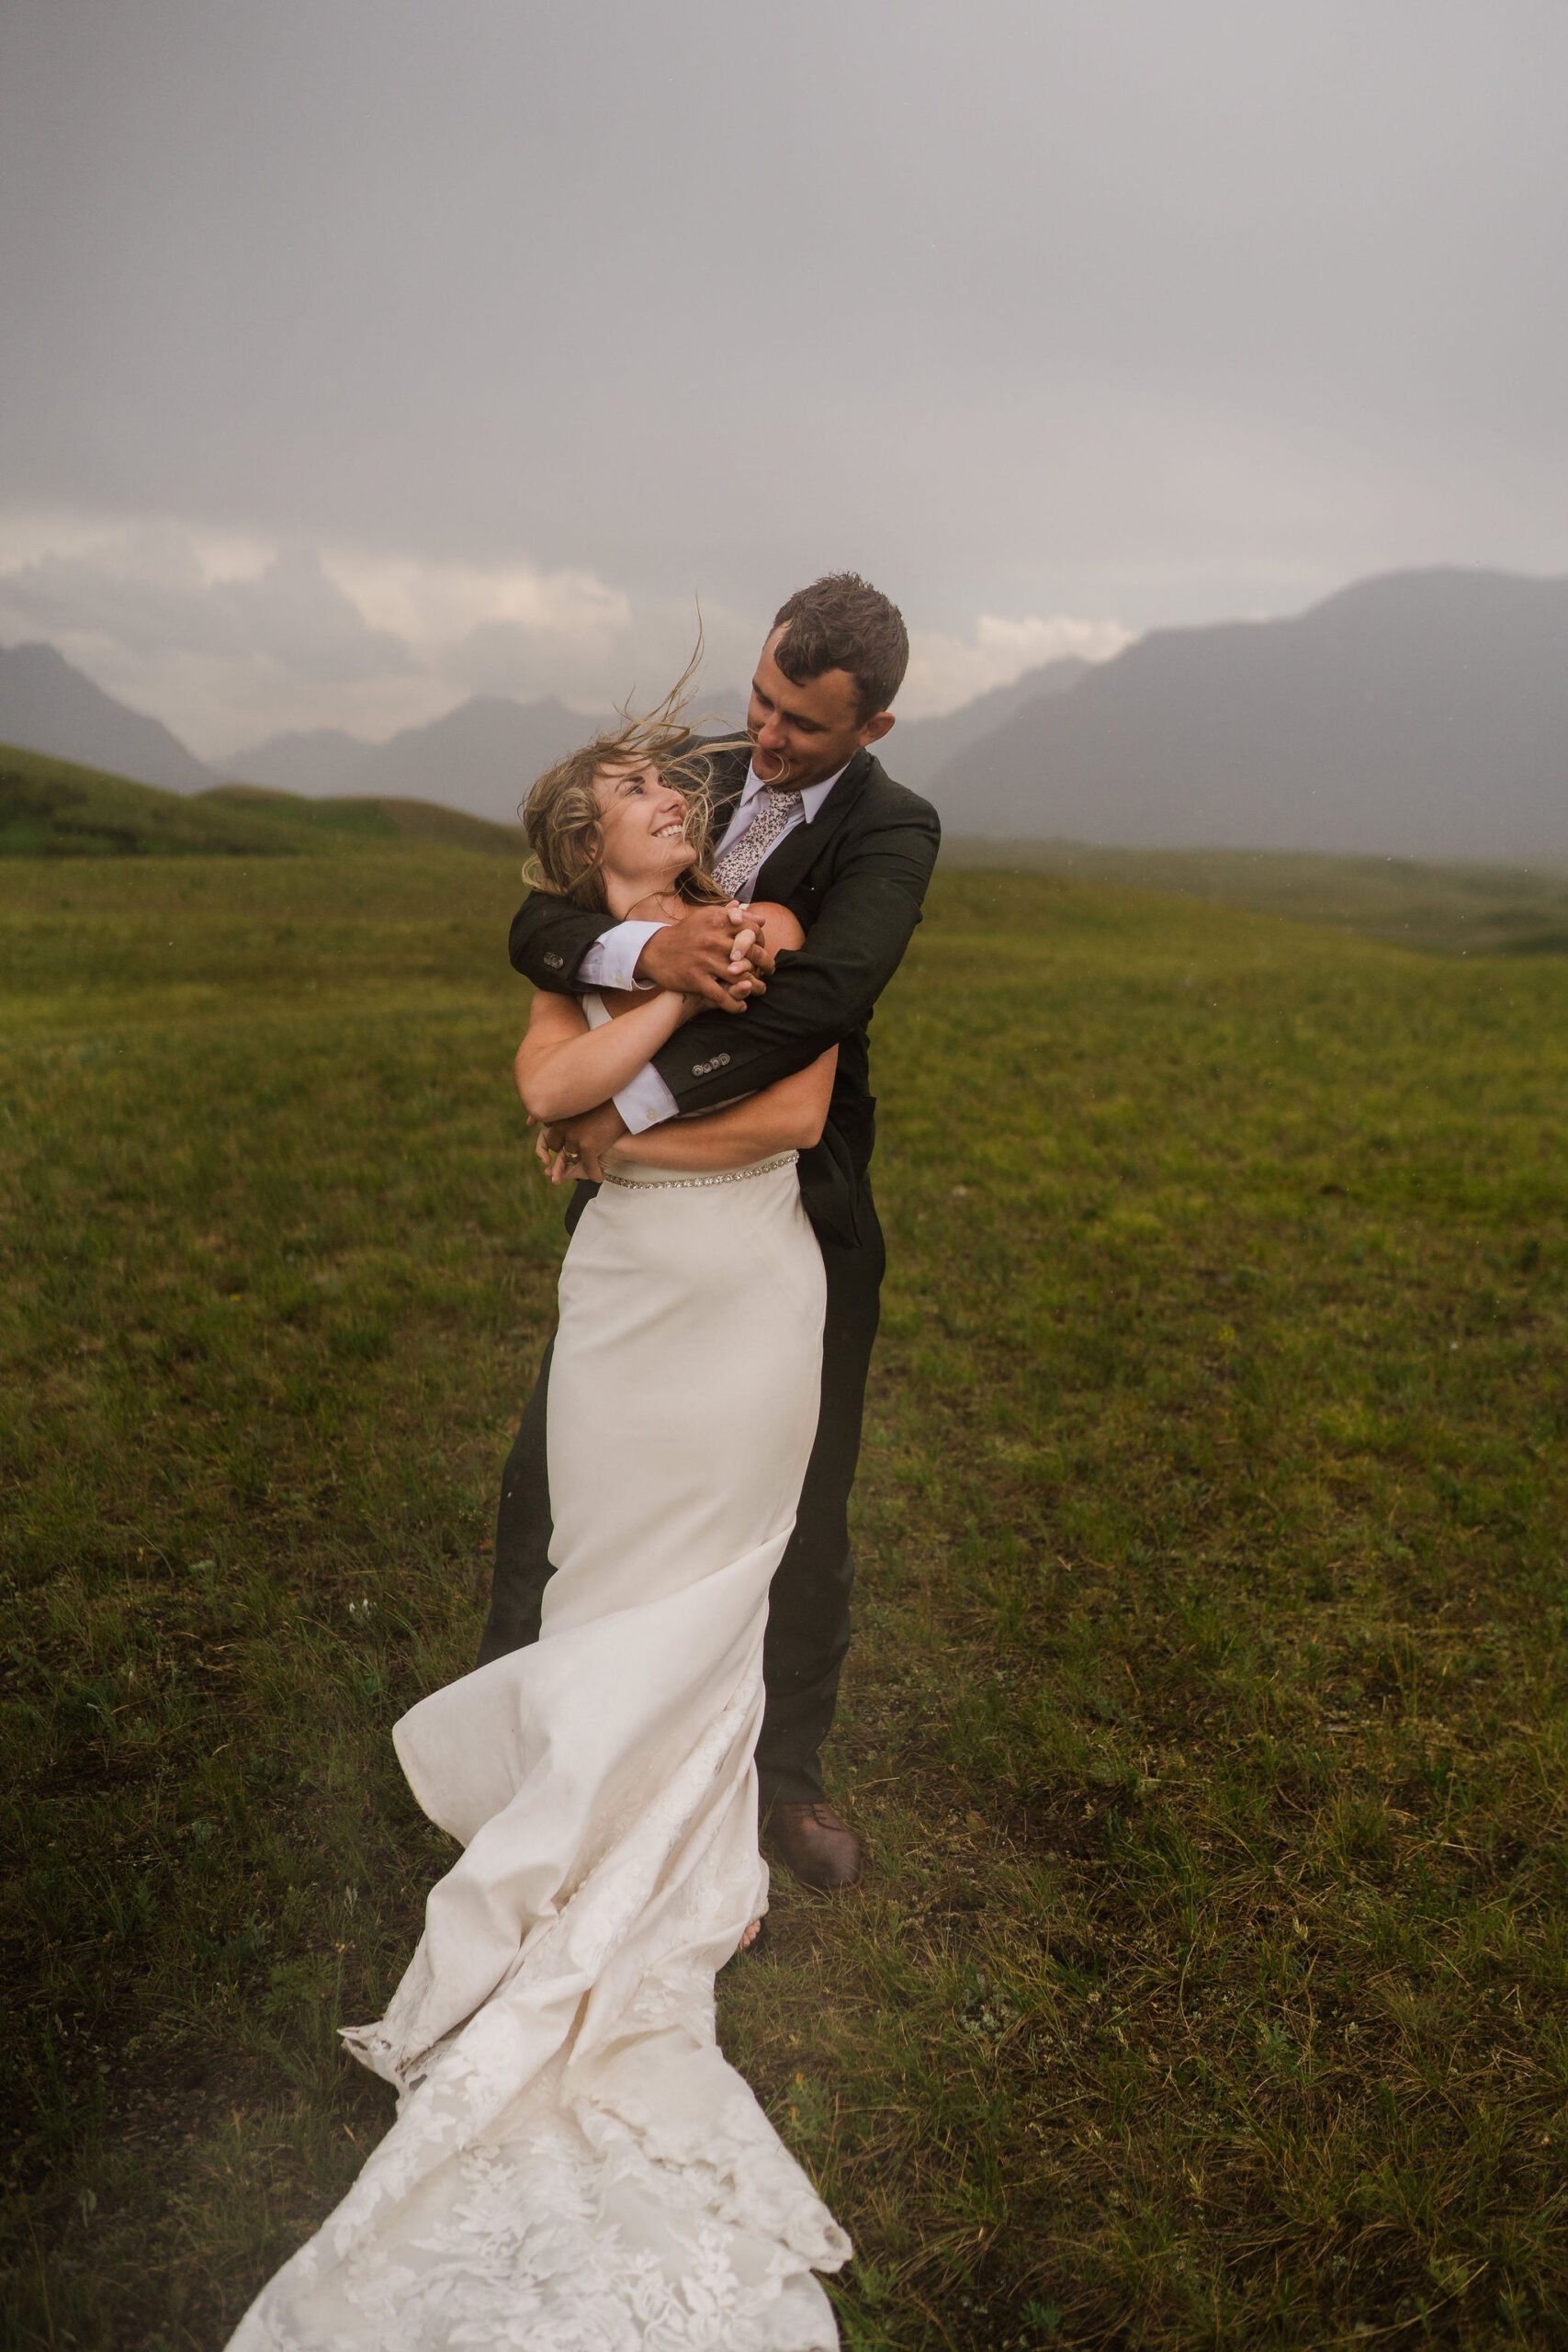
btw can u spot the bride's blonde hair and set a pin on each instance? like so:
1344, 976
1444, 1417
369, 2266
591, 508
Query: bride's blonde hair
561, 813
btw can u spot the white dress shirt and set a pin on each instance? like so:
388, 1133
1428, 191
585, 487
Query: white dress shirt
611, 963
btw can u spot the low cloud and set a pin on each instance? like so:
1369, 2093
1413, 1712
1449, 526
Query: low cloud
217, 642
149, 594
945, 670
439, 607
230, 641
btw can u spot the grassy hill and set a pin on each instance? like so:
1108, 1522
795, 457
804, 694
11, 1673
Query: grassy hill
371, 817
1449, 909
50, 808
1206, 1714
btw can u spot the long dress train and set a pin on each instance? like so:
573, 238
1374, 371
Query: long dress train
574, 2167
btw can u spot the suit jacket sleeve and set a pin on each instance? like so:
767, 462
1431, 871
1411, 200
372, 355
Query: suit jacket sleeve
824, 991
550, 939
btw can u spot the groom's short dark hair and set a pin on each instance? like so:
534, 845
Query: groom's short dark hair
841, 622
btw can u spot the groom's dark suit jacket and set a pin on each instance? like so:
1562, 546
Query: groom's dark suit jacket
854, 879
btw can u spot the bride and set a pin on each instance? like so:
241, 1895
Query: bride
574, 2167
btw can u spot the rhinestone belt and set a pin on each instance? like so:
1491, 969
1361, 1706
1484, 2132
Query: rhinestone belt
685, 1183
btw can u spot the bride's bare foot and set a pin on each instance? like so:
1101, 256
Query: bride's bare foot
750, 1938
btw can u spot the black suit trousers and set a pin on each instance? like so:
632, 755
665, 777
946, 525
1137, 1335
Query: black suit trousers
809, 1608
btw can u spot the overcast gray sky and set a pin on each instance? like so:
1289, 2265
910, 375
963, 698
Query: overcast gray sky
360, 354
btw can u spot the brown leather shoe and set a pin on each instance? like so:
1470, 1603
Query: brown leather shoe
816, 1845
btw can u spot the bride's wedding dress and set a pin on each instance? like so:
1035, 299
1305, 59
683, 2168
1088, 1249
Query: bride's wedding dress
574, 2167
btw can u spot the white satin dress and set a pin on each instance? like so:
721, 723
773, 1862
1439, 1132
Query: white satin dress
574, 2167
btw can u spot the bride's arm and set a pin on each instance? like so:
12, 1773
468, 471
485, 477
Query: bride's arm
788, 1116
563, 1067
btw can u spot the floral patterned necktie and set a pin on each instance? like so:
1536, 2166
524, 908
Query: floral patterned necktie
744, 859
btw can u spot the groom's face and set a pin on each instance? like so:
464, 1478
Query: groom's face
801, 734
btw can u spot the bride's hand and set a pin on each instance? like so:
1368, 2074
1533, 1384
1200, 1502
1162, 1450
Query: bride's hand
572, 1148
751, 961
550, 1154
556, 1152
703, 952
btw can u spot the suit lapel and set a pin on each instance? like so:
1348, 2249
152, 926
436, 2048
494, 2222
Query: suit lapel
800, 850
728, 784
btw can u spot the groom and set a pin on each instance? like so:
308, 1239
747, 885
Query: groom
807, 818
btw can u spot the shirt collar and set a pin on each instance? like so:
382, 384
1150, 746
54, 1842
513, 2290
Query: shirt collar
812, 795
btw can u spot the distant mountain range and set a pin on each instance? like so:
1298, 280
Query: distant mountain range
920, 749
482, 757
1420, 715
48, 705
320, 763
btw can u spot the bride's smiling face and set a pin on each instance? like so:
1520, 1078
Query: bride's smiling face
642, 823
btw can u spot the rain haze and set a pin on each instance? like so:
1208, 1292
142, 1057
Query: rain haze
362, 357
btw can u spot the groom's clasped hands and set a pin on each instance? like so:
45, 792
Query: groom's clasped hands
719, 953
716, 955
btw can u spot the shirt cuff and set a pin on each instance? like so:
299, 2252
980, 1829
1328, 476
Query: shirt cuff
610, 962
645, 1100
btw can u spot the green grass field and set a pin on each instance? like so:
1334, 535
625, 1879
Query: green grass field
1208, 1715
1449, 909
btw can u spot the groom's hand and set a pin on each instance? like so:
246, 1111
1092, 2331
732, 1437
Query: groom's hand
718, 953
571, 1148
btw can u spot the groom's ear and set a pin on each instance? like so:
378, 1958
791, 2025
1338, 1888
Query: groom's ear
875, 729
